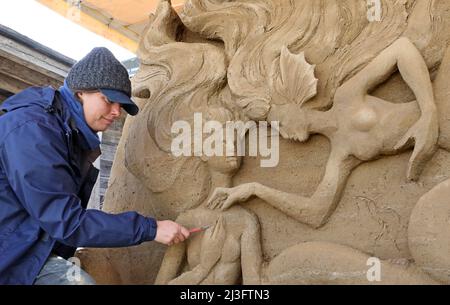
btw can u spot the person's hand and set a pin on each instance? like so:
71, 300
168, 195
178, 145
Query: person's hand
170, 233
424, 133
224, 198
212, 244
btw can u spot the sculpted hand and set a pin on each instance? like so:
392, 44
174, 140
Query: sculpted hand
224, 198
425, 134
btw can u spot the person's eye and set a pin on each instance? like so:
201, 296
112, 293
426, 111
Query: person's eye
106, 100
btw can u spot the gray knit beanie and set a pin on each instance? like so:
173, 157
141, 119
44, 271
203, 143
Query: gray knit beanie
100, 70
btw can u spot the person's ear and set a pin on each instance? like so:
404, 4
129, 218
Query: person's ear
79, 96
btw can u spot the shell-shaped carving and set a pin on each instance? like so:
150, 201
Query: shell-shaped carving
295, 80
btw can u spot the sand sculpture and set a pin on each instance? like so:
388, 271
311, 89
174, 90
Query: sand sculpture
364, 114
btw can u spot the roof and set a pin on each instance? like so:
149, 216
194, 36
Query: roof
36, 46
121, 21
25, 62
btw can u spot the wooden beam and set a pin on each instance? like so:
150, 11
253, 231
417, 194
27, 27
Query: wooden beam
110, 21
27, 75
32, 59
25, 63
178, 7
4, 95
12, 85
76, 15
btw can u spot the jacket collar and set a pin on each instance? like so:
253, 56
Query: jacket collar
43, 97
40, 96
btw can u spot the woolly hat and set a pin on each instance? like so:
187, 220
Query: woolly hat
100, 70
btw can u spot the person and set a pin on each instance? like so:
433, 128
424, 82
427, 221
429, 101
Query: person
48, 141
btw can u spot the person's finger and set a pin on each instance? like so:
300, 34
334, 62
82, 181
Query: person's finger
185, 232
182, 234
181, 237
175, 239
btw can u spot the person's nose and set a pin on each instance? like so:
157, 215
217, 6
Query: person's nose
115, 110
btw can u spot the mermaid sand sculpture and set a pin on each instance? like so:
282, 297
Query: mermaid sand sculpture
231, 249
258, 68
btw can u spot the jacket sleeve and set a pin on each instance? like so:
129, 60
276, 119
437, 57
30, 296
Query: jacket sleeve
35, 159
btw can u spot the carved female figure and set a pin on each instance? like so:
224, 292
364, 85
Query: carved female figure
230, 251
360, 127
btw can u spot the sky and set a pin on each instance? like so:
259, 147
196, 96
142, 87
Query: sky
47, 27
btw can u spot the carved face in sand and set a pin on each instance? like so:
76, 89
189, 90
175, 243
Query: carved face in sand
291, 127
225, 164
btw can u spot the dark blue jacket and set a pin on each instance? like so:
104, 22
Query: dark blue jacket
42, 174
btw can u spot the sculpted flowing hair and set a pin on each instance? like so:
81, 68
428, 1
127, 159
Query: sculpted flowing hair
173, 91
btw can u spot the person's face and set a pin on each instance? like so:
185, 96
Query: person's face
99, 112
